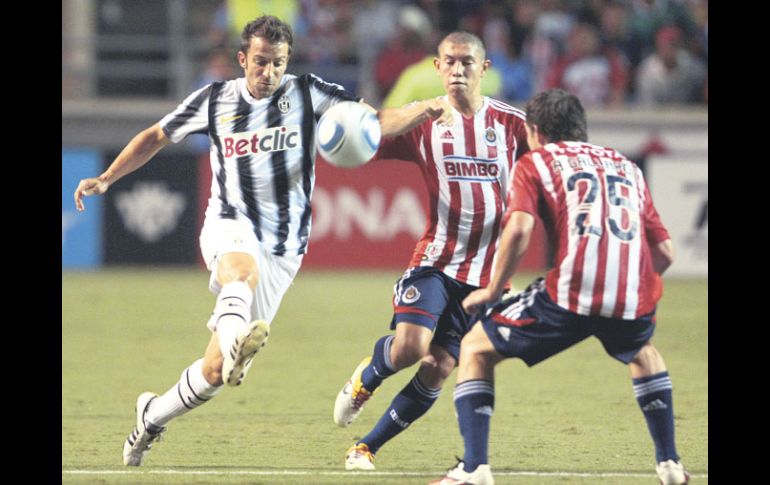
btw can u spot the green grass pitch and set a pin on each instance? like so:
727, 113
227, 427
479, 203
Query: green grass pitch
125, 331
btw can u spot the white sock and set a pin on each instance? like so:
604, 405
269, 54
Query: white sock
232, 312
191, 391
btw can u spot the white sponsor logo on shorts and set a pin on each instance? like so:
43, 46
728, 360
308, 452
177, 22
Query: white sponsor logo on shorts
505, 332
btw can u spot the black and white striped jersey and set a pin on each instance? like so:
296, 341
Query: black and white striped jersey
262, 152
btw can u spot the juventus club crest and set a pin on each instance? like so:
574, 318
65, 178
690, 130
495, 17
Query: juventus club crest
490, 136
283, 104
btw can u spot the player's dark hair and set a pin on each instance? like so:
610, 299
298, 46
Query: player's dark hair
461, 37
558, 115
273, 29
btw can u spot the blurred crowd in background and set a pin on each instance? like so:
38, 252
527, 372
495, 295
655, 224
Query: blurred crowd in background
608, 52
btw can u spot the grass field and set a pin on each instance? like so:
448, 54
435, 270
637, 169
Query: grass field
566, 420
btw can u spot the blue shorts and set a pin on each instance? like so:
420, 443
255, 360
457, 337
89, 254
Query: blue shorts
532, 327
425, 296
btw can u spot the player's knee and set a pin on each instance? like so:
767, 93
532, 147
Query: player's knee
647, 353
241, 268
445, 366
407, 352
468, 352
410, 344
434, 369
647, 361
474, 346
244, 274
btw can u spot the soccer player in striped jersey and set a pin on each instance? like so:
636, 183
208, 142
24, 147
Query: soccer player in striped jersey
262, 132
611, 249
466, 166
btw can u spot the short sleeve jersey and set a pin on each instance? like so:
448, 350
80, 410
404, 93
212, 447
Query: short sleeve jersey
262, 152
600, 220
467, 170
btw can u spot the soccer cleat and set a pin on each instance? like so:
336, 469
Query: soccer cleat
672, 472
140, 440
351, 399
482, 475
247, 343
359, 457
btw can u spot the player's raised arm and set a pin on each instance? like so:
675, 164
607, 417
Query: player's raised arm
395, 121
138, 152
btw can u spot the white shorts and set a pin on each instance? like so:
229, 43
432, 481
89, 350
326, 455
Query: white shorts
276, 273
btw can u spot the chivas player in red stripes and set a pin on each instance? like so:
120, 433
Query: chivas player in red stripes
611, 249
467, 165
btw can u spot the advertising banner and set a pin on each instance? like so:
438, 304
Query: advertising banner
150, 215
81, 237
680, 190
367, 217
373, 216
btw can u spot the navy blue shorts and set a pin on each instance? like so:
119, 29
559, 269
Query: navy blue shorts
532, 327
425, 296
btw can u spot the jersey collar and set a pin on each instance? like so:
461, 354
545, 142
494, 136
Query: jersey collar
245, 94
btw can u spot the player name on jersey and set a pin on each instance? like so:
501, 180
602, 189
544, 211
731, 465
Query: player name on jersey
587, 157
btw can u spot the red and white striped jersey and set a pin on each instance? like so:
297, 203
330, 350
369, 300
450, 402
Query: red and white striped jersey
467, 168
600, 218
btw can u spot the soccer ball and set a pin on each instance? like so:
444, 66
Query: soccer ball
348, 134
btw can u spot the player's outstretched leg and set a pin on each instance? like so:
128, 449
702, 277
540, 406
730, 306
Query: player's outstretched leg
409, 405
239, 340
365, 380
144, 434
240, 355
153, 412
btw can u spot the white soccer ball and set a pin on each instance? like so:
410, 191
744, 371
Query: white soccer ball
348, 134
